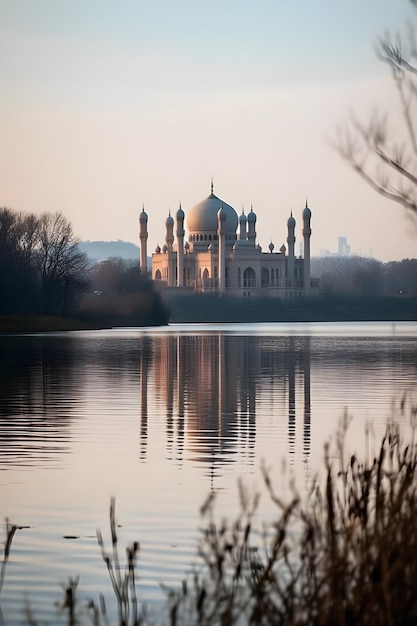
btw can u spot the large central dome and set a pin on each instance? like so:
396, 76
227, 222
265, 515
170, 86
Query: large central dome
202, 218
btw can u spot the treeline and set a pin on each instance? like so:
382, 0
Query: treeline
42, 268
43, 271
121, 295
359, 276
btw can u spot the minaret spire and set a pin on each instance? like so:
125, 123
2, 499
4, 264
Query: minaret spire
212, 186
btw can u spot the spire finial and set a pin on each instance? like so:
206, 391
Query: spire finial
212, 186
143, 207
306, 203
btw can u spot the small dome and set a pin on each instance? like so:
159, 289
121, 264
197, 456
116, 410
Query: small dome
242, 217
291, 221
165, 248
252, 216
271, 247
203, 216
180, 214
143, 217
306, 213
158, 249
169, 220
283, 249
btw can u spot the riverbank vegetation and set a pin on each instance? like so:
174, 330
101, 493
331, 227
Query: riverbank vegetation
344, 555
40, 324
324, 308
45, 276
121, 294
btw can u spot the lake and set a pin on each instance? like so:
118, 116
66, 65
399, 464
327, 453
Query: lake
160, 418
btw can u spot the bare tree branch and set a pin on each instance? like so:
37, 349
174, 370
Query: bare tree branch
371, 151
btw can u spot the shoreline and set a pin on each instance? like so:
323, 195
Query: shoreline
208, 309
29, 323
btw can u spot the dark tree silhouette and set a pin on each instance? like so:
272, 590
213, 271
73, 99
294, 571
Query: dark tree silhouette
60, 262
41, 265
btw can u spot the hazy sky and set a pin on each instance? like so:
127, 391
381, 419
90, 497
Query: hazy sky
108, 104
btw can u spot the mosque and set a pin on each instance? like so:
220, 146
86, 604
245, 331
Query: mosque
221, 255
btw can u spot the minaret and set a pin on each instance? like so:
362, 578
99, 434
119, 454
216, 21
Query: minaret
307, 235
291, 258
242, 225
169, 240
143, 236
180, 246
221, 219
251, 225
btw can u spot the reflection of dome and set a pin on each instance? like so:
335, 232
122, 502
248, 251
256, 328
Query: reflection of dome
203, 216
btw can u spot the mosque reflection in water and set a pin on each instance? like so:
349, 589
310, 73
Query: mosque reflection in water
211, 387
206, 398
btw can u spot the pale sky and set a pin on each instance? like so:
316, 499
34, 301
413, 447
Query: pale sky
109, 104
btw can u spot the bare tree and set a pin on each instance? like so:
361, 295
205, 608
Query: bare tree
59, 260
27, 234
389, 166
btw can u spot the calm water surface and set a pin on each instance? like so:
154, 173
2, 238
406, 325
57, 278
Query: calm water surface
161, 417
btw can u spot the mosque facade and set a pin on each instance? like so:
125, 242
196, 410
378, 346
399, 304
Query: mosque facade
221, 255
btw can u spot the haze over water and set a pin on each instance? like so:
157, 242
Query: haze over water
159, 418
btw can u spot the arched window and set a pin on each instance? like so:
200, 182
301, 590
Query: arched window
205, 237
249, 278
210, 237
265, 277
158, 275
205, 273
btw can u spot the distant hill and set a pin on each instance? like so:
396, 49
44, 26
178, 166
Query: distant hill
102, 250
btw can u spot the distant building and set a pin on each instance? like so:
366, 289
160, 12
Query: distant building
343, 249
221, 255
